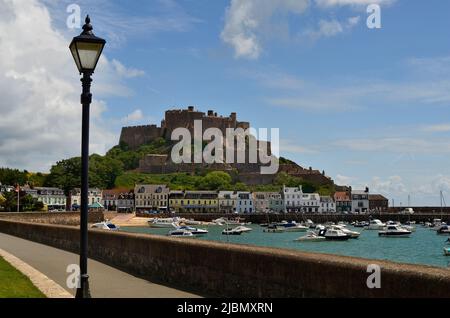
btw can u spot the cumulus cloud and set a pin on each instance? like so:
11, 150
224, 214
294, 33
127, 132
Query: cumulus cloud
126, 72
40, 89
334, 3
247, 20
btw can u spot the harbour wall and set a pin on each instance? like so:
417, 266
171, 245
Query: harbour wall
63, 218
227, 270
259, 218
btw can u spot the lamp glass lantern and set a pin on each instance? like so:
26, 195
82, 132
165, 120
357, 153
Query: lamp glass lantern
86, 49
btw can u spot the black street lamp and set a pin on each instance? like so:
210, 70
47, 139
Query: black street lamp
86, 50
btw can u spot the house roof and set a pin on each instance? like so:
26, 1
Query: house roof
341, 196
377, 197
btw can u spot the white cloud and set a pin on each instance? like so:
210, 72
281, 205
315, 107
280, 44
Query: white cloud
133, 117
344, 180
292, 147
393, 185
126, 72
396, 145
437, 128
247, 21
40, 89
334, 3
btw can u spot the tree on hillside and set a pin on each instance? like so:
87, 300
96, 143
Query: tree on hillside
66, 175
215, 180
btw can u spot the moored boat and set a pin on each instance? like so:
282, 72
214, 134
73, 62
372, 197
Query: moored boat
394, 231
194, 230
444, 230
376, 225
229, 231
351, 234
180, 233
310, 237
335, 235
106, 225
164, 223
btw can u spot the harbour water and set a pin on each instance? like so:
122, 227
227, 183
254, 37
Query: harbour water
423, 247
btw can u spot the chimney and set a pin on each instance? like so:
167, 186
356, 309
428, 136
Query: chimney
191, 108
233, 116
210, 113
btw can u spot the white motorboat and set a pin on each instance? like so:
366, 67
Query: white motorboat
180, 233
243, 229
164, 223
335, 235
444, 230
229, 231
106, 225
311, 237
194, 230
394, 231
376, 225
273, 228
292, 226
352, 234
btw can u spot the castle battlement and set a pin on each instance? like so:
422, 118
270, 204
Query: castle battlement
136, 136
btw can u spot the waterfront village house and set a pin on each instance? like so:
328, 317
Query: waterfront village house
327, 205
343, 202
125, 202
378, 203
292, 199
310, 202
194, 201
151, 197
276, 203
360, 201
244, 203
261, 201
109, 199
94, 196
227, 201
52, 198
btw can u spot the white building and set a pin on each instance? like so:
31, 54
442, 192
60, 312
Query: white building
360, 201
327, 205
94, 196
293, 198
151, 197
52, 198
227, 201
244, 203
261, 201
311, 203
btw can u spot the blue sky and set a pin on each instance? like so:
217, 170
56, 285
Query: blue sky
368, 106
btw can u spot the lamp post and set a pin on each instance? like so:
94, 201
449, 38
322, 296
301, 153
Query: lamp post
86, 50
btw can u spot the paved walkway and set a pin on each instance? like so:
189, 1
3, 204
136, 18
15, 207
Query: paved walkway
105, 281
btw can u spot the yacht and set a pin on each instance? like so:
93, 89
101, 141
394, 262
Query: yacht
292, 226
164, 223
444, 230
193, 230
394, 231
105, 226
229, 231
181, 233
311, 237
376, 225
274, 228
335, 235
243, 229
351, 234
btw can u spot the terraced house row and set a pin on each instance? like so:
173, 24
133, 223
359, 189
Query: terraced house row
159, 198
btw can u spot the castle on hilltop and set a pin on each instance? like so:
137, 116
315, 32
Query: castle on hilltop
248, 173
140, 135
